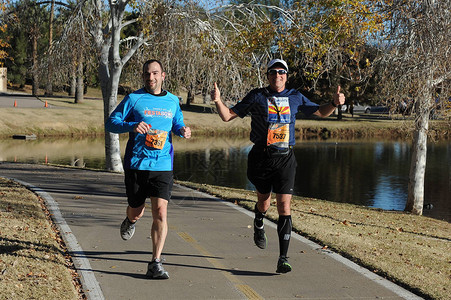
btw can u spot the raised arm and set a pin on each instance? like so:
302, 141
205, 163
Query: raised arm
327, 109
225, 113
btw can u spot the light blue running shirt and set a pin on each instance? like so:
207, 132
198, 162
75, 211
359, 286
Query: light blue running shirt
152, 151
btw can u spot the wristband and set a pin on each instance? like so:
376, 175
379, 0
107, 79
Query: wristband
333, 103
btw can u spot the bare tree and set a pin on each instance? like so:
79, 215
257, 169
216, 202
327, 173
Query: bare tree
106, 21
417, 60
70, 53
49, 85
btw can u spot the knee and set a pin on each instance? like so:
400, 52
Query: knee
159, 214
264, 202
283, 208
264, 206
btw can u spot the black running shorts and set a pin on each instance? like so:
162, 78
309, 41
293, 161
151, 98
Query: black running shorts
271, 172
140, 185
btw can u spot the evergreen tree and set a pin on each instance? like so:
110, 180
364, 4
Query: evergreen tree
26, 28
18, 63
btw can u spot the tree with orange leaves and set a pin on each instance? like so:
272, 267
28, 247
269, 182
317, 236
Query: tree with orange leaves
3, 44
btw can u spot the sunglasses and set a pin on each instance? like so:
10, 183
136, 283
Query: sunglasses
280, 72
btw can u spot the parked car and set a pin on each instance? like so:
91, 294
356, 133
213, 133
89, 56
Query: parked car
357, 108
379, 109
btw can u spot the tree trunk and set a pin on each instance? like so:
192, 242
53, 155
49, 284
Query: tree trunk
190, 97
415, 198
110, 69
80, 83
49, 85
339, 112
72, 79
34, 55
73, 85
110, 83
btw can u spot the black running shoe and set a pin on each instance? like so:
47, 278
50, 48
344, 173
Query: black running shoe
155, 270
282, 265
260, 239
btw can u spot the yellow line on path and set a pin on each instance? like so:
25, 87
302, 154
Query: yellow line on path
244, 288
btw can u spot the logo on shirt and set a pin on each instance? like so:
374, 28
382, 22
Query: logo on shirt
158, 113
278, 110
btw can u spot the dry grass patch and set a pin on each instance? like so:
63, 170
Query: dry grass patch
66, 118
33, 264
51, 121
413, 251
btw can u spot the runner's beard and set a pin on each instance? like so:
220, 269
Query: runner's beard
151, 86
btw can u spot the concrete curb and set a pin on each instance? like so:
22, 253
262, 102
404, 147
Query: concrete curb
91, 287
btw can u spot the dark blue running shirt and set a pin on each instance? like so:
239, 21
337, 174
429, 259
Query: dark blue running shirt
269, 110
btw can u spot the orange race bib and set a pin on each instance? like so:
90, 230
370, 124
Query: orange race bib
156, 138
278, 135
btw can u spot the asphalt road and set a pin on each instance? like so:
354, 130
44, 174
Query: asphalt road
20, 100
209, 250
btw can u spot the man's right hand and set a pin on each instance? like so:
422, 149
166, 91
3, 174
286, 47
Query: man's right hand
142, 127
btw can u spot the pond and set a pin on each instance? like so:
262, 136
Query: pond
371, 173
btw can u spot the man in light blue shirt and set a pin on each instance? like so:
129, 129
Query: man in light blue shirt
150, 115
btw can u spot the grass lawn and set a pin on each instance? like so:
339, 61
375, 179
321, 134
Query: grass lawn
66, 118
33, 262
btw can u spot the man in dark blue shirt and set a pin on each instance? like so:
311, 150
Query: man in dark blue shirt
271, 162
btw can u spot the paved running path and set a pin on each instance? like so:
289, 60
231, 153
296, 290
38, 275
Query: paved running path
209, 250
21, 100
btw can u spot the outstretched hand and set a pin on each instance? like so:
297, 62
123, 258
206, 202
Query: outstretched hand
215, 93
339, 98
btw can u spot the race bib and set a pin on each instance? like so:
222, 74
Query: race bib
278, 135
156, 138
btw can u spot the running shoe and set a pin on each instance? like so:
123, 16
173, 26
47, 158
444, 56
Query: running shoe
127, 229
155, 270
282, 265
259, 236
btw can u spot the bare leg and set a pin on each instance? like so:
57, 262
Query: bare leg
284, 204
263, 201
159, 229
134, 214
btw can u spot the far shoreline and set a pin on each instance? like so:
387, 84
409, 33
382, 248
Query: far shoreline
64, 118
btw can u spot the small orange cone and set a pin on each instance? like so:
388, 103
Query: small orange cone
46, 105
15, 103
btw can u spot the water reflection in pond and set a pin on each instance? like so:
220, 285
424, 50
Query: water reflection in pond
370, 173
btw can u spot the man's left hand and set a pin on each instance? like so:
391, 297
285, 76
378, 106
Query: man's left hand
186, 132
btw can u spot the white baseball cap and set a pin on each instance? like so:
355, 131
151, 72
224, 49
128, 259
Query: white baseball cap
277, 61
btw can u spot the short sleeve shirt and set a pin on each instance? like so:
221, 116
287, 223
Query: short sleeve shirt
274, 113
